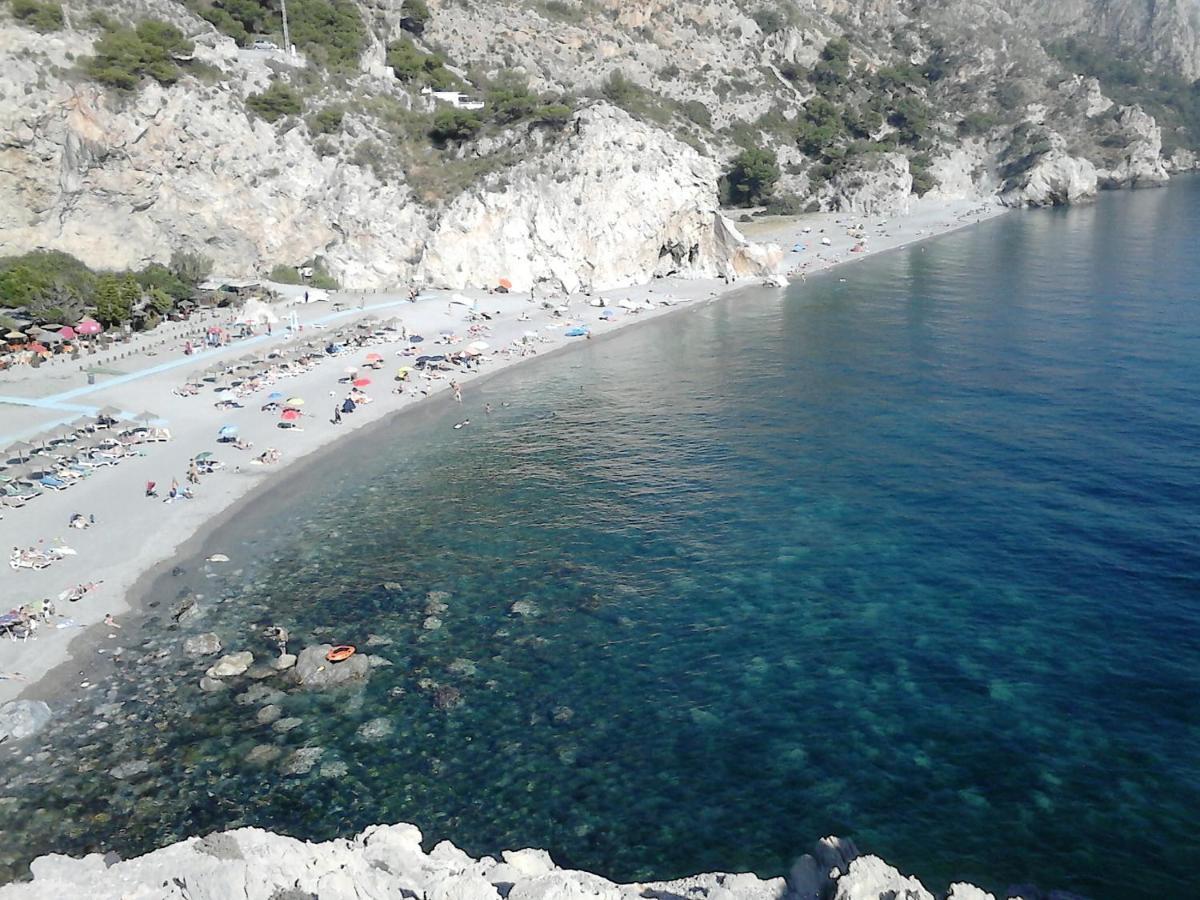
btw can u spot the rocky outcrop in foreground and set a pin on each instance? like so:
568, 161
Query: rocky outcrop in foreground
386, 862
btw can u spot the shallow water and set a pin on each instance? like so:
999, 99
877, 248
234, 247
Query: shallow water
910, 557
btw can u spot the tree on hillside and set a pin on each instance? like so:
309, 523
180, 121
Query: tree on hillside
752, 177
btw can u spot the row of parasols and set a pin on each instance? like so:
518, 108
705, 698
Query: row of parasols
39, 338
78, 433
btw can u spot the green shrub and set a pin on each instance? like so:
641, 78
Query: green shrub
787, 205
751, 178
47, 284
698, 113
833, 68
976, 122
510, 99
123, 56
282, 274
327, 120
157, 277
635, 99
923, 180
43, 17
553, 114
330, 32
115, 296
411, 64
277, 101
771, 19
190, 268
455, 125
564, 12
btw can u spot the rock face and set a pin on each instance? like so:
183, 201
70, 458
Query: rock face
1142, 164
875, 184
655, 215
314, 672
1055, 178
23, 718
387, 861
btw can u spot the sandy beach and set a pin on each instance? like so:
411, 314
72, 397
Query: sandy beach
134, 535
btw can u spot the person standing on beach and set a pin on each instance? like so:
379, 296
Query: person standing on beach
337, 415
457, 391
193, 473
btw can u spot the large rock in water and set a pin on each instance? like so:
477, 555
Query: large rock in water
230, 665
315, 673
23, 718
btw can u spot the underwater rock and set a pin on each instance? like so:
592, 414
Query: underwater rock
268, 714
314, 672
258, 673
188, 610
392, 586
446, 696
212, 685
257, 693
129, 769
562, 715
375, 730
378, 640
333, 769
283, 662
231, 665
431, 623
263, 753
302, 761
380, 662
524, 608
462, 666
23, 718
283, 726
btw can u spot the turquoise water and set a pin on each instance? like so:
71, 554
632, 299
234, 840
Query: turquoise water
910, 557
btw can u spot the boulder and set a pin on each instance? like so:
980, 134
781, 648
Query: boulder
302, 761
212, 685
314, 672
283, 662
375, 730
870, 878
205, 644
231, 665
23, 718
268, 714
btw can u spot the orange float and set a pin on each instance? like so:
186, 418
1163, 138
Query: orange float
342, 652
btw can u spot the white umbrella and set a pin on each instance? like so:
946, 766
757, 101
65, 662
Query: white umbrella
478, 346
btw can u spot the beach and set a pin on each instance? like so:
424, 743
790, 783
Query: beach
135, 536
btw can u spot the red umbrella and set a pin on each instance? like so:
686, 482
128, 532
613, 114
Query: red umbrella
67, 333
506, 284
290, 415
374, 357
361, 382
88, 326
37, 348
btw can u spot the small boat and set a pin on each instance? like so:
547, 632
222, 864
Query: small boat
340, 653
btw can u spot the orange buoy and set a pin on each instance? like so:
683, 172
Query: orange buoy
337, 654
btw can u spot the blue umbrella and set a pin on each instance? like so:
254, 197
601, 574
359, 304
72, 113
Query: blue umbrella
577, 331
274, 395
608, 313
415, 339
228, 431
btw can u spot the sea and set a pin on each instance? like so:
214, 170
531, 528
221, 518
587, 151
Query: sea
907, 553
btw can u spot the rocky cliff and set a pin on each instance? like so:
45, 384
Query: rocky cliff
388, 863
960, 97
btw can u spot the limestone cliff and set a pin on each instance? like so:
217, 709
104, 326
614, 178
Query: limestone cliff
961, 98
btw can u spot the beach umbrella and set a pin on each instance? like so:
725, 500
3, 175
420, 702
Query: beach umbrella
478, 346
14, 336
351, 370
88, 326
295, 401
415, 339
207, 454
148, 417
19, 450
577, 331
374, 357
608, 314
289, 415
273, 396
361, 382
38, 348
228, 431
505, 283
108, 412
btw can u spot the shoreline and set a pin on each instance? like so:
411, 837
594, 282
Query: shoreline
63, 664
